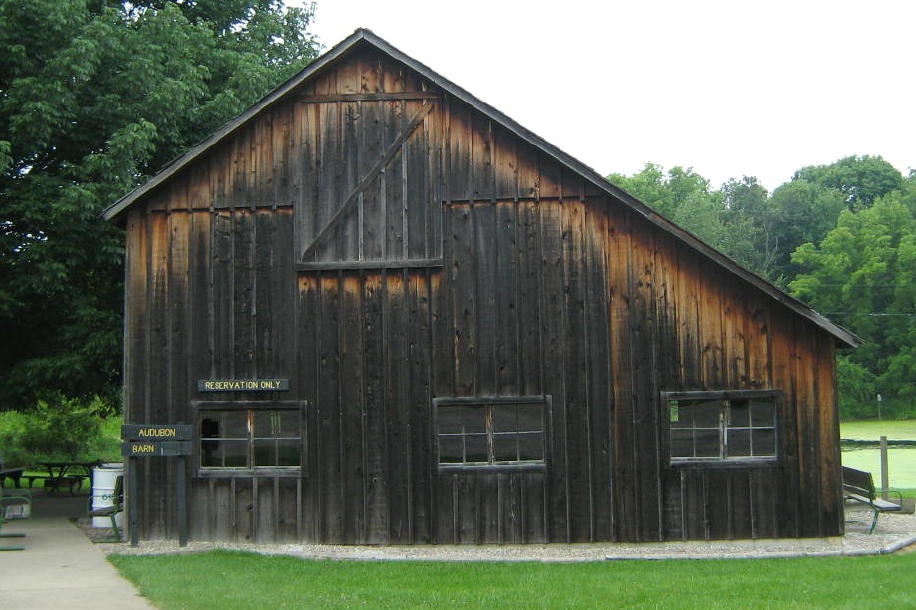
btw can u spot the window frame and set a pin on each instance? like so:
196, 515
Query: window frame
544, 401
724, 461
198, 406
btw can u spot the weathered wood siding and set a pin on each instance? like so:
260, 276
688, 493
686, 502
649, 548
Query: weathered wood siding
467, 264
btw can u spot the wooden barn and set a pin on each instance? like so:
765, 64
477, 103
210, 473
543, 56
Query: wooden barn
393, 315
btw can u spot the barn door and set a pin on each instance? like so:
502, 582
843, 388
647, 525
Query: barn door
368, 198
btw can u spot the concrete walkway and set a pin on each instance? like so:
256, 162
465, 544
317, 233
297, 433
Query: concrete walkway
59, 567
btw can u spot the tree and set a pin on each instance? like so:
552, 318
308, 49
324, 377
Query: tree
750, 215
861, 179
685, 197
800, 212
862, 275
94, 97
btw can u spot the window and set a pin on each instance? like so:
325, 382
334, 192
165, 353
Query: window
722, 426
490, 432
250, 439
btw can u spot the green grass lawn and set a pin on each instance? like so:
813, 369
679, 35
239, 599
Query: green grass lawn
229, 580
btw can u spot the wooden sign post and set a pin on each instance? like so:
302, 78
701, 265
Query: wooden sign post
157, 440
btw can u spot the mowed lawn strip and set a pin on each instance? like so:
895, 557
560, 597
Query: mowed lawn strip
230, 579
872, 430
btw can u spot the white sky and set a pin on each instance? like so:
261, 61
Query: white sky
728, 88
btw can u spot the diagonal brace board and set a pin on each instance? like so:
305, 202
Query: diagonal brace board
376, 169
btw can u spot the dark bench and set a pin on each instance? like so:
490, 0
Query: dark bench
14, 474
117, 506
858, 486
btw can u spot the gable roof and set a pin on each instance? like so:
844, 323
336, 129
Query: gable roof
365, 36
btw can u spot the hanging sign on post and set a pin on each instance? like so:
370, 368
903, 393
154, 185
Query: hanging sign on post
157, 440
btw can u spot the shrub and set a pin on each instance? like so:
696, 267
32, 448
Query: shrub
59, 429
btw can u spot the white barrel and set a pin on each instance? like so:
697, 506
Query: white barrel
104, 479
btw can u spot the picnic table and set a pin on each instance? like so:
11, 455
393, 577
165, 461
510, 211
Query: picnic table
12, 473
68, 474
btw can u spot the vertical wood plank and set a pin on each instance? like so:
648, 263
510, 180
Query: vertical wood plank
576, 340
600, 376
399, 467
352, 408
376, 447
156, 506
624, 450
553, 322
484, 252
420, 386
331, 468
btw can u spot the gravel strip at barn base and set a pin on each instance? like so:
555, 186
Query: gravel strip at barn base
895, 531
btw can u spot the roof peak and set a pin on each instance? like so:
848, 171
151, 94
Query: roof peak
450, 88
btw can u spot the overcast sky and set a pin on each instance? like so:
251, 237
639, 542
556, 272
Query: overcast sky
728, 88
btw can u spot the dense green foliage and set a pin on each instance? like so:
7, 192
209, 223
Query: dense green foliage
60, 429
841, 237
95, 96
233, 580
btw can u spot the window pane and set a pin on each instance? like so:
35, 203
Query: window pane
289, 452
276, 423
705, 412
531, 446
475, 447
706, 443
505, 447
763, 413
449, 419
209, 454
265, 453
474, 419
764, 442
681, 443
739, 442
530, 418
504, 418
234, 424
739, 414
450, 449
230, 454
